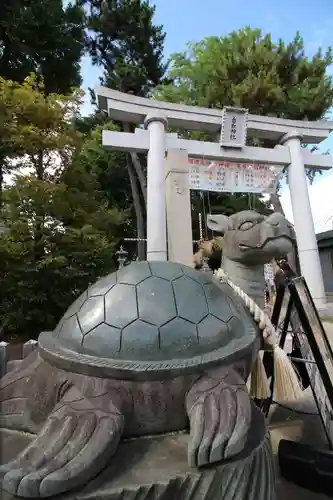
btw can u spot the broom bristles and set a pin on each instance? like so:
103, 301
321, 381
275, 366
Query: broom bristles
287, 382
257, 383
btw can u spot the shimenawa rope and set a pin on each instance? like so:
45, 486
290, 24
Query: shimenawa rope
287, 385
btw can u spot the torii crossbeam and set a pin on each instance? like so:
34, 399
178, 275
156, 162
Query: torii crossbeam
287, 135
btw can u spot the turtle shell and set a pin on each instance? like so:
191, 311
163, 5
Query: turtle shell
150, 317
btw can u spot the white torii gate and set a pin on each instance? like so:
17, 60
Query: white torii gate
287, 134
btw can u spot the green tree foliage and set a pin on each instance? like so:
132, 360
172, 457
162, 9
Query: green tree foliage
33, 126
32, 120
75, 229
45, 38
248, 69
125, 42
110, 169
60, 232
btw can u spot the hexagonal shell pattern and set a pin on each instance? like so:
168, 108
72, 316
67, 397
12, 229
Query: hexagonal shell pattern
190, 299
167, 270
218, 304
155, 313
91, 313
134, 273
179, 339
74, 308
132, 345
104, 340
213, 333
121, 306
103, 285
156, 301
74, 340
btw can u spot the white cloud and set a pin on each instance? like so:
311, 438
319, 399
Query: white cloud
321, 199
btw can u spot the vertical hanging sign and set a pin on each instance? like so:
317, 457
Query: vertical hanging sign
234, 127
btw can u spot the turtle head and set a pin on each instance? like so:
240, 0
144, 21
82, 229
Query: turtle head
253, 238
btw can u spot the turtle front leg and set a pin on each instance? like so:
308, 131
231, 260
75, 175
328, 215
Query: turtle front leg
73, 446
219, 409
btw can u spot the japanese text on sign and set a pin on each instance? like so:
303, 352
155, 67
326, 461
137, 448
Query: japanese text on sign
233, 130
234, 127
232, 177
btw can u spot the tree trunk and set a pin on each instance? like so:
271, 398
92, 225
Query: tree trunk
1, 183
140, 174
140, 223
292, 256
137, 166
39, 165
39, 250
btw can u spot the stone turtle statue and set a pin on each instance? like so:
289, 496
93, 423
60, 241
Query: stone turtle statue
153, 348
251, 240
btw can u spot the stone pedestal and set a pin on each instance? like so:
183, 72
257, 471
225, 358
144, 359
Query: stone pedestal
155, 468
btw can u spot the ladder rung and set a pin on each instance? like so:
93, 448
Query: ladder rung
301, 360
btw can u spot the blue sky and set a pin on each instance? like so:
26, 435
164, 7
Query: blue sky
192, 20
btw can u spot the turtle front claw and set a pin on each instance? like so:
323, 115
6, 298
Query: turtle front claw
219, 410
73, 447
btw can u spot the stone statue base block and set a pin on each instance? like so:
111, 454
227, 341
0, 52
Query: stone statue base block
155, 468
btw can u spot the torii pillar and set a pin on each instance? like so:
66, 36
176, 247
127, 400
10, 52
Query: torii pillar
128, 108
303, 220
156, 124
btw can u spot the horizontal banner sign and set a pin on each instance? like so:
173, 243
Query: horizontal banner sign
230, 177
